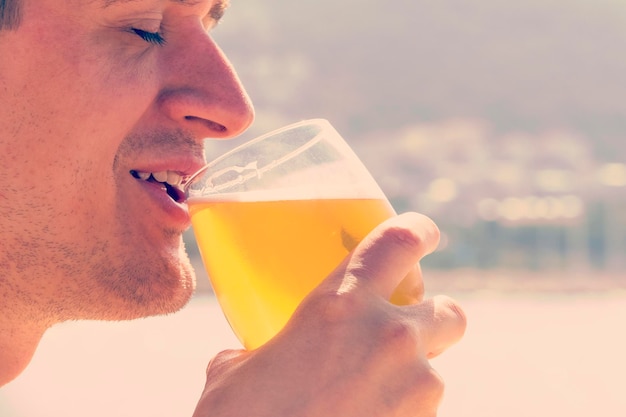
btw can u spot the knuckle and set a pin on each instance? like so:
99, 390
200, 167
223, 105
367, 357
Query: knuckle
402, 237
333, 307
396, 338
432, 384
400, 335
222, 359
424, 238
426, 388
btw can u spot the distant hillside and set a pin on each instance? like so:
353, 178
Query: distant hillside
374, 66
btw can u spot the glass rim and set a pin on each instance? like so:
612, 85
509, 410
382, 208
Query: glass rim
321, 121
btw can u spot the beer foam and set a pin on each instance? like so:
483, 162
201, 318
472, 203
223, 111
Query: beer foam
293, 193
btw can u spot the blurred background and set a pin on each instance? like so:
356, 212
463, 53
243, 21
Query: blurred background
503, 121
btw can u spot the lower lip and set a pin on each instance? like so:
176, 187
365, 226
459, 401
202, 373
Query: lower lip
176, 214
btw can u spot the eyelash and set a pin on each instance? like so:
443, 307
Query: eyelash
154, 38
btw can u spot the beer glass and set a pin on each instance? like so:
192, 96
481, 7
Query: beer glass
275, 216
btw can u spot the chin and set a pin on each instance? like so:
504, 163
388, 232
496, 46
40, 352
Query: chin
155, 286
167, 291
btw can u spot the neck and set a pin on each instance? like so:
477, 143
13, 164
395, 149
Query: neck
21, 328
18, 341
24, 315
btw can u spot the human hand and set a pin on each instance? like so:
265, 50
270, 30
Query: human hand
347, 351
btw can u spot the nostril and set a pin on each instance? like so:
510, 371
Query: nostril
216, 127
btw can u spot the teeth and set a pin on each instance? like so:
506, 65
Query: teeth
170, 177
173, 178
160, 176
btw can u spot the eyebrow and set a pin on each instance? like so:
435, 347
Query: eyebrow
216, 13
218, 9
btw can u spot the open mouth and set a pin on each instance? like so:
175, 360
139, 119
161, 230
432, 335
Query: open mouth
170, 181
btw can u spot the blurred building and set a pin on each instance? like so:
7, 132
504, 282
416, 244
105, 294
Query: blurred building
506, 198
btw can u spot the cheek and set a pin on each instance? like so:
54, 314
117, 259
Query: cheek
90, 97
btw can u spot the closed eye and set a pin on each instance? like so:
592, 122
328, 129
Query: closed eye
154, 38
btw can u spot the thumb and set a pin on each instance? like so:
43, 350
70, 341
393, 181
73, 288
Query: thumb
387, 254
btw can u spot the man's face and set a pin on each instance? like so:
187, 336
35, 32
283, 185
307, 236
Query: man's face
94, 96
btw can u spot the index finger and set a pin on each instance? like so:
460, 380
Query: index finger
392, 250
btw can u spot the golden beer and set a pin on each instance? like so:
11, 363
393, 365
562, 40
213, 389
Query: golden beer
264, 257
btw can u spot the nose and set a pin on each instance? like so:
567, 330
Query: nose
201, 91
